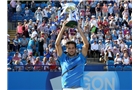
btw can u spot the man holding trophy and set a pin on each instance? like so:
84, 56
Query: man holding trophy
72, 64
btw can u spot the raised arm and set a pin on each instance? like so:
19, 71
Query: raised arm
58, 40
85, 41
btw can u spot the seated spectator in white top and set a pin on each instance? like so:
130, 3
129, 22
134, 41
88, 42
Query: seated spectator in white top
18, 67
94, 49
110, 54
115, 50
118, 59
25, 55
64, 41
24, 42
101, 48
108, 44
128, 37
126, 60
121, 35
93, 21
26, 11
45, 62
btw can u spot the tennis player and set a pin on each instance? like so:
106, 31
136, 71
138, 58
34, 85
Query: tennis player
72, 64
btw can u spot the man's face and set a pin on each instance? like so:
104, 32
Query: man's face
71, 49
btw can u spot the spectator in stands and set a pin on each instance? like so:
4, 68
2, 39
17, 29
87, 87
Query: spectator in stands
115, 50
39, 14
41, 43
31, 57
128, 37
115, 9
37, 64
47, 53
8, 41
108, 36
52, 64
19, 65
16, 58
118, 60
110, 54
27, 4
126, 59
50, 48
13, 5
25, 55
94, 49
19, 54
33, 6
92, 7
86, 31
16, 44
104, 10
93, 21
24, 42
114, 35
101, 48
64, 41
27, 12
29, 66
110, 9
31, 45
19, 29
11, 66
9, 58
45, 62
18, 7
98, 10
25, 28
100, 35
45, 13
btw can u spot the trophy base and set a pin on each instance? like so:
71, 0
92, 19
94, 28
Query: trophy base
72, 24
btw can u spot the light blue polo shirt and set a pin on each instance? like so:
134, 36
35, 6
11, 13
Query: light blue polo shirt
72, 70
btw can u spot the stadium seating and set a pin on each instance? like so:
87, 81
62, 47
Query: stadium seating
127, 68
12, 53
118, 68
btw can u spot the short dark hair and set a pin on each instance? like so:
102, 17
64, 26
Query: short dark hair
71, 42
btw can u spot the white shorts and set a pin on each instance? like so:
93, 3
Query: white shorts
73, 89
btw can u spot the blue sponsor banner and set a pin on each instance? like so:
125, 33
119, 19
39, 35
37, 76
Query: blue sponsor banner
93, 80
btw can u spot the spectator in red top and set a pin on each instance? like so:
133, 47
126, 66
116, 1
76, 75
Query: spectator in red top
16, 58
99, 21
105, 10
105, 22
38, 63
52, 64
20, 29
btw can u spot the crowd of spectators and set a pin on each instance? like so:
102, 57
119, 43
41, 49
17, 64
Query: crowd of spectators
107, 24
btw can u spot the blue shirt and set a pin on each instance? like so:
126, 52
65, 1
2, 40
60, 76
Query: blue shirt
30, 44
72, 70
48, 55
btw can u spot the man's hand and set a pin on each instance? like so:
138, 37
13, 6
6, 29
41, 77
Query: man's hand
64, 25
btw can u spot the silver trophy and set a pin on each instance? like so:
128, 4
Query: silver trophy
72, 11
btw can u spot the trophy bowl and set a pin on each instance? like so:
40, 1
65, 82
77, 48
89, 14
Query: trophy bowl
71, 10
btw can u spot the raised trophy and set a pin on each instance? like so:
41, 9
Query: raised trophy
72, 11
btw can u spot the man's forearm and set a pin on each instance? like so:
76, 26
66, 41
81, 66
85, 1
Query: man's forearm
58, 40
85, 41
